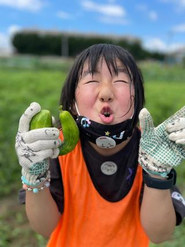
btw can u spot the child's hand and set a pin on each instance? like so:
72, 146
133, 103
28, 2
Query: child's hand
160, 151
34, 147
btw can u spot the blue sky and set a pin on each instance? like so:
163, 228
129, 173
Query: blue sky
160, 24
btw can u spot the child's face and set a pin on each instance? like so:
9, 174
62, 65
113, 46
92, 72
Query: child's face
105, 98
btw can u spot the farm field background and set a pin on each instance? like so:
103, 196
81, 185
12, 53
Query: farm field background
24, 80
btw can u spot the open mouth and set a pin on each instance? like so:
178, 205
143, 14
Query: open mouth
106, 111
106, 114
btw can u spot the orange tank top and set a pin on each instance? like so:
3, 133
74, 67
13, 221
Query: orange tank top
88, 219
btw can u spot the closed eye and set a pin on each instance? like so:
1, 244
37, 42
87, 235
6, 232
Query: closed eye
123, 81
91, 82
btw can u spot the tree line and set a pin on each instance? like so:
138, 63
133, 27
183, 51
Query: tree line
35, 43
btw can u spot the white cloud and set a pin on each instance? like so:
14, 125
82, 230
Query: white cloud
64, 15
13, 29
156, 44
5, 45
105, 9
179, 28
5, 39
31, 5
175, 47
179, 4
152, 15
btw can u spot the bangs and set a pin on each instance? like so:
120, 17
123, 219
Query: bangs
110, 53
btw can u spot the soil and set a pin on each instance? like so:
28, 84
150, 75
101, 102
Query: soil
15, 230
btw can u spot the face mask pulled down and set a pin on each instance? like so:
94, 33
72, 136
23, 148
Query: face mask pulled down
104, 136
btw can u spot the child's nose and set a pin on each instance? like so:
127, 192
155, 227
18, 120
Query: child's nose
106, 94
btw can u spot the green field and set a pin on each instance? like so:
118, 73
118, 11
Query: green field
164, 89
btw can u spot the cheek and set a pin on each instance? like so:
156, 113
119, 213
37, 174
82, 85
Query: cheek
84, 97
126, 96
126, 101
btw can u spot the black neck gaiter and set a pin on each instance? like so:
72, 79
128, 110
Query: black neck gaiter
104, 136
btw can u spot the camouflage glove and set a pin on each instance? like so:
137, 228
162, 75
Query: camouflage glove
159, 150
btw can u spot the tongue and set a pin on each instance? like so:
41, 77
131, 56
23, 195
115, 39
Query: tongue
106, 120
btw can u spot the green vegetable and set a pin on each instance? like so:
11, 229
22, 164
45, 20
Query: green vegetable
42, 119
70, 131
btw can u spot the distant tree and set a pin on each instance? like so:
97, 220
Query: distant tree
157, 55
51, 44
33, 43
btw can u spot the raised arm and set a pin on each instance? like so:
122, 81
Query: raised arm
159, 153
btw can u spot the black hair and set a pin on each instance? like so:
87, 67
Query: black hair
92, 55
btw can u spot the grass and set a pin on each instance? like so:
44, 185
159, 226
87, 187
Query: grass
164, 87
18, 89
15, 230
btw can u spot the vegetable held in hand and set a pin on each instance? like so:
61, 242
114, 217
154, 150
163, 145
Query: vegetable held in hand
42, 119
70, 131
34, 147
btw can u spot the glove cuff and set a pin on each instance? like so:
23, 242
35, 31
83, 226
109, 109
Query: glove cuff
152, 165
160, 184
33, 179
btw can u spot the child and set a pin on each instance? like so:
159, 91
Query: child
99, 195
